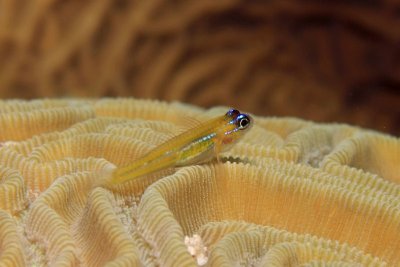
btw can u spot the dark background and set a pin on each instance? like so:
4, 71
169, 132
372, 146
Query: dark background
327, 61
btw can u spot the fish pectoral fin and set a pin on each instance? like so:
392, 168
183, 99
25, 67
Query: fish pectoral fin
217, 151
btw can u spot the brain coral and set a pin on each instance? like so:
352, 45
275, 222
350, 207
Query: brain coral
290, 193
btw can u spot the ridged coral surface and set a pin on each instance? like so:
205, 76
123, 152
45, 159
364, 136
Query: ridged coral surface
290, 193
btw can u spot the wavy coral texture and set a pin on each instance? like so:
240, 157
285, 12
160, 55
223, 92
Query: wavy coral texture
290, 193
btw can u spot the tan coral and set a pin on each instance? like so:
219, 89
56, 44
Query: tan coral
19, 125
12, 252
249, 244
101, 235
12, 191
373, 154
295, 203
290, 192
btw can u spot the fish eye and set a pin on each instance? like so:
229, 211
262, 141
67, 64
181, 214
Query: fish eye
243, 122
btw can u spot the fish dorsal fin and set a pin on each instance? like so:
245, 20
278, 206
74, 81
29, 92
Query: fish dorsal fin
189, 122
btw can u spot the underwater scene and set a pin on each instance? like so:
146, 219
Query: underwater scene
199, 133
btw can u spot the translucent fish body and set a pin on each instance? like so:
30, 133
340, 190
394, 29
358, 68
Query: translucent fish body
194, 146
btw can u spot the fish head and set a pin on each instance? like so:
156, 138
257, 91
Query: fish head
236, 124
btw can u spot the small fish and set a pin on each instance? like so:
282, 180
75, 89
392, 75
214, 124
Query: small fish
196, 145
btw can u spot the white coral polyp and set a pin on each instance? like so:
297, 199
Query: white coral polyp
197, 249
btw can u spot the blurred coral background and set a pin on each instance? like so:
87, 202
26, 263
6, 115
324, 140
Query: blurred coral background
327, 61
